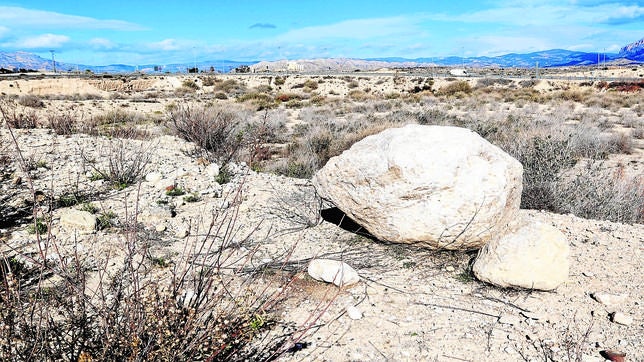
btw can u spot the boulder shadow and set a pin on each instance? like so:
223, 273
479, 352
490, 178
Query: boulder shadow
337, 217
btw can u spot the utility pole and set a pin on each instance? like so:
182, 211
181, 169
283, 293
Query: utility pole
53, 61
536, 75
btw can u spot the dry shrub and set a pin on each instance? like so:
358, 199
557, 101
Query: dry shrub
17, 116
490, 82
196, 306
358, 95
63, 123
212, 128
210, 81
620, 142
596, 193
280, 80
573, 95
260, 100
231, 87
117, 164
454, 88
31, 100
286, 97
115, 123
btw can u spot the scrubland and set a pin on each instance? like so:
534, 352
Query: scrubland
581, 144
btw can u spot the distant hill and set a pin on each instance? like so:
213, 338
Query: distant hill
633, 51
546, 58
24, 60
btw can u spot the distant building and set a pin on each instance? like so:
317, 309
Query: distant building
458, 72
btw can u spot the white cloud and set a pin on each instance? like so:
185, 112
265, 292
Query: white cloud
546, 15
18, 16
3, 30
356, 29
43, 41
102, 43
166, 45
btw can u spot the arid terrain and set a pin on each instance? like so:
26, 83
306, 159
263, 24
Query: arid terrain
195, 219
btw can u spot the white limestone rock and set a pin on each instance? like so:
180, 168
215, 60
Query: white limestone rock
441, 187
333, 271
533, 256
82, 222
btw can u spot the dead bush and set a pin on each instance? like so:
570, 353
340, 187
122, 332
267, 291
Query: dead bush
455, 88
63, 123
115, 123
121, 166
596, 193
17, 116
31, 100
212, 128
190, 307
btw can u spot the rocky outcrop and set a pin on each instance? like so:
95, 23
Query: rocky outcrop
442, 187
533, 256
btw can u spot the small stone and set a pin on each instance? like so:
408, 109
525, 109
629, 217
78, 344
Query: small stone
181, 172
182, 232
333, 271
224, 204
354, 313
160, 228
212, 170
81, 221
609, 300
449, 268
153, 177
588, 274
621, 318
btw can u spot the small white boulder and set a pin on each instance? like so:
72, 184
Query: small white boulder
534, 256
333, 271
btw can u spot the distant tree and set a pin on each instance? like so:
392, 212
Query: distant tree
242, 69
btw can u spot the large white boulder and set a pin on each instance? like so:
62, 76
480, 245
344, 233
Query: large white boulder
441, 187
533, 256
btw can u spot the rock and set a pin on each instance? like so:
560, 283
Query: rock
609, 300
160, 228
181, 172
621, 318
155, 214
212, 170
442, 187
80, 221
533, 256
354, 313
333, 271
182, 231
153, 177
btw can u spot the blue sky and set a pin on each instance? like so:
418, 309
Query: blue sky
163, 32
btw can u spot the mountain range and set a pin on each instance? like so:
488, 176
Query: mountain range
630, 53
